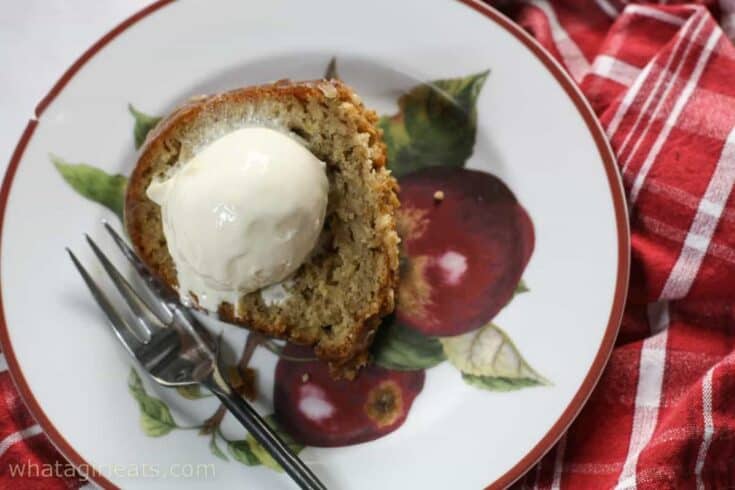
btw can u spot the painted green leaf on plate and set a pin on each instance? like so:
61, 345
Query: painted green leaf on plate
155, 417
250, 452
435, 125
94, 184
215, 449
500, 384
401, 348
285, 436
143, 124
240, 451
265, 458
488, 358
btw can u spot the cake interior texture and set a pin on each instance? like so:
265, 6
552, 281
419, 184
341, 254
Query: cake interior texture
337, 298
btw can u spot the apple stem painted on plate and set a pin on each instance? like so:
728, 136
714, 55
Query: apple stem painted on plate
213, 422
331, 71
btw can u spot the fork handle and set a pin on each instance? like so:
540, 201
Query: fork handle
263, 433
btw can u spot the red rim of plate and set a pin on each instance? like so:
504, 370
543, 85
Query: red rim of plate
616, 189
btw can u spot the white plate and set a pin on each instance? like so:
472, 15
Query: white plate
534, 132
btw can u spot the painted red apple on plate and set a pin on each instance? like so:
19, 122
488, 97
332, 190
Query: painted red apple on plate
317, 410
466, 241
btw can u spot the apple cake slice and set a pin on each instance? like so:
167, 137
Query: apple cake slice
335, 300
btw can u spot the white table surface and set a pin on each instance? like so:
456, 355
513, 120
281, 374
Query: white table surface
39, 40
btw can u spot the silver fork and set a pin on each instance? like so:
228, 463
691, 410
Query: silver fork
176, 350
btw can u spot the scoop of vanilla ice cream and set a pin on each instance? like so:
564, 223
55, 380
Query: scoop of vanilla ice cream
242, 214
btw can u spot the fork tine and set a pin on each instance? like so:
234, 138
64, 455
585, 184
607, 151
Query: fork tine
124, 334
144, 313
161, 292
154, 287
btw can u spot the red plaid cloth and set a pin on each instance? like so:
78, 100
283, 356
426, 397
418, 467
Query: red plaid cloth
24, 447
662, 81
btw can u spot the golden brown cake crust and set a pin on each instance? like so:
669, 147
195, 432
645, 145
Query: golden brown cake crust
344, 342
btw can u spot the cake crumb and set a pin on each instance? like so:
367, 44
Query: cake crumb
196, 98
328, 89
439, 195
305, 378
